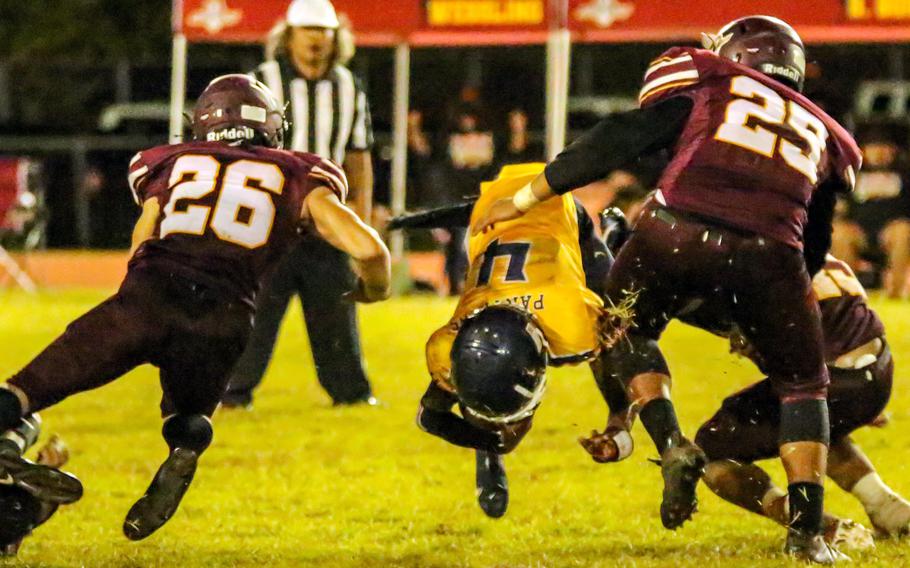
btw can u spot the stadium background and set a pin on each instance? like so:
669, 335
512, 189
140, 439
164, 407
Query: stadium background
83, 85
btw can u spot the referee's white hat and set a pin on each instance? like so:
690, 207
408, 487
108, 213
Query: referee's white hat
312, 14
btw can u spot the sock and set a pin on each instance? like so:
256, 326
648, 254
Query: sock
10, 410
659, 419
807, 501
871, 491
23, 436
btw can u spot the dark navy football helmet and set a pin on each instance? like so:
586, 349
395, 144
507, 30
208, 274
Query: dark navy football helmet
499, 362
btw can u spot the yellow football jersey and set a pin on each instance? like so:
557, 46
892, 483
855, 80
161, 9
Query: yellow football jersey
534, 263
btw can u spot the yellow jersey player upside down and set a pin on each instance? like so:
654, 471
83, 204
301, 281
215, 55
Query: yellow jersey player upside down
530, 301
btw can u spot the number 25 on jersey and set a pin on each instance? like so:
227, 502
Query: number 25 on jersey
766, 106
244, 188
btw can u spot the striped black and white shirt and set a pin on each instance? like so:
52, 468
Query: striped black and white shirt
328, 116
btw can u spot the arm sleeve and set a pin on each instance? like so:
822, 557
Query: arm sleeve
595, 258
435, 417
817, 233
362, 131
450, 216
616, 141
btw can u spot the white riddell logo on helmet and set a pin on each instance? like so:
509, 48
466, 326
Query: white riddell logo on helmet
780, 70
233, 133
214, 16
604, 13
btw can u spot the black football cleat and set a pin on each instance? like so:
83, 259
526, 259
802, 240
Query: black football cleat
492, 484
681, 466
163, 496
48, 484
812, 548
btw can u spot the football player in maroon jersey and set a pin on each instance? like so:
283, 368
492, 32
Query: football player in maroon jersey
216, 215
746, 429
751, 183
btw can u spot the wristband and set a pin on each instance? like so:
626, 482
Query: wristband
624, 444
525, 199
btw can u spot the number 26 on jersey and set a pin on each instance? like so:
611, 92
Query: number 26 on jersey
244, 211
763, 104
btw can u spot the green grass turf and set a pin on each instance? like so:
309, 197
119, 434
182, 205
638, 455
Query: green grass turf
298, 483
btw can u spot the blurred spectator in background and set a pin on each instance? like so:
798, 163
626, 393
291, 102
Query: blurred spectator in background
420, 155
469, 158
877, 220
518, 147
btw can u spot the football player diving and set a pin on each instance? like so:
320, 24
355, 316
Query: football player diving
21, 508
531, 300
217, 213
751, 183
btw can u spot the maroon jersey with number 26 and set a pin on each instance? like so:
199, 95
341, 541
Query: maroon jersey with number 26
227, 213
752, 151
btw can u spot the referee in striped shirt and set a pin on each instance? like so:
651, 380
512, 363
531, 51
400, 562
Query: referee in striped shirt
330, 116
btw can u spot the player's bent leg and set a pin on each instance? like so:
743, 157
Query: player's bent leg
492, 484
852, 470
187, 437
640, 362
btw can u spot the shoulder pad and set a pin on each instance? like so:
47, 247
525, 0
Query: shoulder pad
673, 71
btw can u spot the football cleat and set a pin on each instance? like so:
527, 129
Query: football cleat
844, 533
492, 484
43, 482
681, 466
812, 548
163, 496
892, 516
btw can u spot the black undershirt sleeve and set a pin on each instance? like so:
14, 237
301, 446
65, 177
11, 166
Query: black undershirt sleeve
596, 259
436, 417
450, 216
817, 233
616, 141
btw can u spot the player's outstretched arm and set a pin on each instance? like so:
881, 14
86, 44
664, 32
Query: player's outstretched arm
344, 230
435, 417
614, 142
145, 226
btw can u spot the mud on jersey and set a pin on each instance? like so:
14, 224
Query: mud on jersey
752, 151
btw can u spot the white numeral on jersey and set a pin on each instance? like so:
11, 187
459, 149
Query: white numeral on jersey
773, 109
245, 187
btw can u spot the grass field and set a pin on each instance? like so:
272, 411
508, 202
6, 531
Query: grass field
298, 483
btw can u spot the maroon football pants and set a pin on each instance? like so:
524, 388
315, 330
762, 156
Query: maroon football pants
191, 333
747, 427
678, 263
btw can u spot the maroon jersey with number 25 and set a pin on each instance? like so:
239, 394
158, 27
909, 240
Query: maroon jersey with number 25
752, 151
227, 213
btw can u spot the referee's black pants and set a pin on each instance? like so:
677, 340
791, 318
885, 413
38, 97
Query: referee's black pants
320, 274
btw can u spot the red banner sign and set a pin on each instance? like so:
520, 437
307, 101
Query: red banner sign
444, 22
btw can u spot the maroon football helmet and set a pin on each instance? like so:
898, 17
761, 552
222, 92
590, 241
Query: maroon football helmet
236, 108
766, 44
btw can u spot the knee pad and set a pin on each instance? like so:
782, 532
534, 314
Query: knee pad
632, 357
190, 431
804, 420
